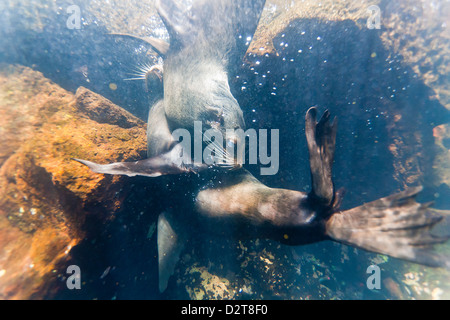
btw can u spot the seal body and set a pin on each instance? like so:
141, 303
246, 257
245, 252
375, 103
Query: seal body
240, 202
205, 45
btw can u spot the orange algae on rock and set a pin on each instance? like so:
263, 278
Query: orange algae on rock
45, 196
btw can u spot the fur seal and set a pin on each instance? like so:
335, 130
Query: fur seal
396, 225
205, 44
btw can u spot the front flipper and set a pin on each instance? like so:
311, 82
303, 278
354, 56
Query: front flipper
161, 47
171, 162
321, 138
170, 244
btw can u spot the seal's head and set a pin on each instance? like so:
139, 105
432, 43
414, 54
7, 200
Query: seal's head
198, 90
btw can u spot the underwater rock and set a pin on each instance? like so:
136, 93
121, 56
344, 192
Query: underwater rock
392, 80
259, 269
45, 196
416, 30
102, 110
207, 286
278, 14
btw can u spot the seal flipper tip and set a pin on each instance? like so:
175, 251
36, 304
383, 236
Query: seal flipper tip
172, 162
160, 46
321, 140
131, 169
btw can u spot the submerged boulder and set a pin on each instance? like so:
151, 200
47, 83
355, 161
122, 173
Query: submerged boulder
45, 196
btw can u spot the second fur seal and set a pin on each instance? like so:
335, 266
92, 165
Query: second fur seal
236, 203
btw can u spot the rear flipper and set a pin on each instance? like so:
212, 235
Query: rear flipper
171, 162
321, 139
397, 226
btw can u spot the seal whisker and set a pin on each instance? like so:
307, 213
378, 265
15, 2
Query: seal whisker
131, 79
222, 150
217, 150
142, 69
218, 147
